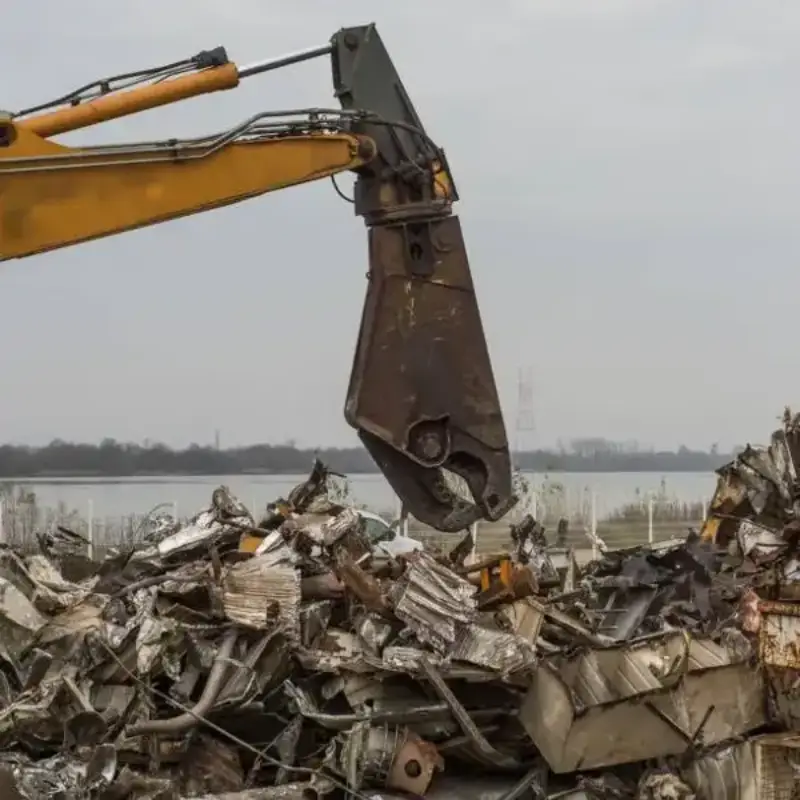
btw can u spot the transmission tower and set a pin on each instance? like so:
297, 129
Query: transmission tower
524, 423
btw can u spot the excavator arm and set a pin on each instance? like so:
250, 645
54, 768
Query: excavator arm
422, 394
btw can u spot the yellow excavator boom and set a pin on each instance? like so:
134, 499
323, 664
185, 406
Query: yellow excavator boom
422, 394
55, 196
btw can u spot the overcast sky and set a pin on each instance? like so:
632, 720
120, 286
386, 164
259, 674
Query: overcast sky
629, 180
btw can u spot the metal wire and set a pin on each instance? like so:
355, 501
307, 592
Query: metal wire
340, 192
103, 86
255, 128
259, 127
262, 754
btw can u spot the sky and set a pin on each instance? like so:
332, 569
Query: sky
629, 180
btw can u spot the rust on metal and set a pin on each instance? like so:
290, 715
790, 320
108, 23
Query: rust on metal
422, 392
779, 634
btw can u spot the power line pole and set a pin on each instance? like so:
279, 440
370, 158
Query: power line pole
524, 422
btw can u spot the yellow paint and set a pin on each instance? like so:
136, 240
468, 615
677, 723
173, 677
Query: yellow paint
730, 492
442, 187
505, 574
249, 544
122, 103
43, 208
708, 532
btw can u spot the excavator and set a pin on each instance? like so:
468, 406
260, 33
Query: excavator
422, 394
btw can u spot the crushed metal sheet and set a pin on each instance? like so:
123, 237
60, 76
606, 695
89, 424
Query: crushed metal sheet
258, 595
727, 773
434, 602
336, 650
523, 618
276, 551
19, 619
643, 700
374, 632
288, 791
779, 634
759, 768
228, 659
493, 649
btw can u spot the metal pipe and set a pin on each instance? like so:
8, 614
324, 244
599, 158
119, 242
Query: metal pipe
530, 784
257, 67
213, 687
121, 104
465, 722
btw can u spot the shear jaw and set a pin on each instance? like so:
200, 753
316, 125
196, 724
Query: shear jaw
426, 494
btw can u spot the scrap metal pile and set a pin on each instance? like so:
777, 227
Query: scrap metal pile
245, 659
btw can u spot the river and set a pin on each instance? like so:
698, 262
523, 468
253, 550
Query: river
115, 497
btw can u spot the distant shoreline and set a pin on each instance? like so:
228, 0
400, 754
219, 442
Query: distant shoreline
125, 476
114, 460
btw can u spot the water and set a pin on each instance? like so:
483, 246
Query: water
117, 497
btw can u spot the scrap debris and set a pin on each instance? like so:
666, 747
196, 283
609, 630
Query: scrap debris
239, 658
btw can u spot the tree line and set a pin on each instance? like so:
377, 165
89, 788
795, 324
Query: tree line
118, 459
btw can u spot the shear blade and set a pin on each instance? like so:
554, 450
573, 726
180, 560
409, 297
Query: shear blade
423, 491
